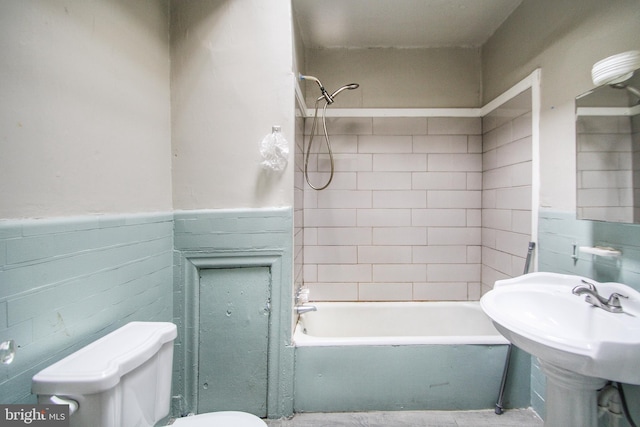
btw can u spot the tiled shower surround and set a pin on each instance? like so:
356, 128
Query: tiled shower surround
403, 217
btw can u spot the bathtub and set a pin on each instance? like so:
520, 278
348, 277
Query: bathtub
395, 323
355, 356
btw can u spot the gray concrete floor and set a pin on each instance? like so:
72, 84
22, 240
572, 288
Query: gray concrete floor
510, 418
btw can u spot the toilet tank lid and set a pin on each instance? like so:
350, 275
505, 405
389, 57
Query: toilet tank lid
100, 365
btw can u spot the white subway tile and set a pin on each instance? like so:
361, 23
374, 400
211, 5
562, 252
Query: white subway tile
329, 217
474, 217
454, 199
384, 144
332, 291
496, 260
439, 217
399, 273
454, 126
344, 273
512, 243
331, 254
385, 291
453, 236
453, 272
451, 291
474, 254
310, 273
439, 180
384, 181
344, 199
454, 162
310, 236
435, 254
474, 181
522, 126
440, 144
399, 162
400, 236
347, 163
399, 199
384, 254
400, 125
344, 236
515, 152
514, 198
384, 217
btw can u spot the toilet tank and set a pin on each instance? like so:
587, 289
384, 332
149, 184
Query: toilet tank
122, 379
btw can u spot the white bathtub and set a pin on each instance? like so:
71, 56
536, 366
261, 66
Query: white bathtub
395, 323
361, 356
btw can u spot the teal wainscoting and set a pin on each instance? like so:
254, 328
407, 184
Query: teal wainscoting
558, 232
230, 239
66, 282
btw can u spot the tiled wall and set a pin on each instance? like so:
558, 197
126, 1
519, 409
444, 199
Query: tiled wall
66, 282
506, 195
605, 169
401, 219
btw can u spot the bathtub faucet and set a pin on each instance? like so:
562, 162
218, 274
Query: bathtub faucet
611, 305
302, 298
301, 309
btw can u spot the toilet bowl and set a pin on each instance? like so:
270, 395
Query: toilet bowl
221, 419
124, 379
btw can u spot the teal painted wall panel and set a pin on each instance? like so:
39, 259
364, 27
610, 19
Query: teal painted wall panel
234, 238
558, 232
68, 281
233, 339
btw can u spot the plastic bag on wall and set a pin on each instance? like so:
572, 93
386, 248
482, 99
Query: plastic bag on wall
275, 151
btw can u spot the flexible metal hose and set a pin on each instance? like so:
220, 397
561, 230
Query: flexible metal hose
327, 141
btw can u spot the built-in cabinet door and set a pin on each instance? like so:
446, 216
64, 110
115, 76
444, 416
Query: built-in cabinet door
233, 343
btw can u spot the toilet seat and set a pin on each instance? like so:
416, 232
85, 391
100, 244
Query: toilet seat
221, 419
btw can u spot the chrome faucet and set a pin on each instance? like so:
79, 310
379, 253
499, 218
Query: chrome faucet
302, 298
612, 304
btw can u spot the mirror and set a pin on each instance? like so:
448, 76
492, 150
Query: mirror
608, 152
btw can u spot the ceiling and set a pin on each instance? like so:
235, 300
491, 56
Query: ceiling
399, 23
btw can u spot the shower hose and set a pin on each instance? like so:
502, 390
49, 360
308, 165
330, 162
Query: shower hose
327, 141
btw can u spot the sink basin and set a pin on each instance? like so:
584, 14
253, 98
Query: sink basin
539, 314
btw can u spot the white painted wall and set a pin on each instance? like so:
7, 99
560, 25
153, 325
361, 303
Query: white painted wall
564, 38
84, 110
397, 78
231, 81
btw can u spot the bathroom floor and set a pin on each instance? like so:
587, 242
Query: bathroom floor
510, 418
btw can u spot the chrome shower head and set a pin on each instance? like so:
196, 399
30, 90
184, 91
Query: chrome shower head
350, 86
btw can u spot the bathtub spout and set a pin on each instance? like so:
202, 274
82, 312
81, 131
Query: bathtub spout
301, 309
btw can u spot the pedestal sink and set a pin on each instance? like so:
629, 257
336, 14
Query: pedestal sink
579, 346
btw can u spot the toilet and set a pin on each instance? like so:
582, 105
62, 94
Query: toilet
123, 380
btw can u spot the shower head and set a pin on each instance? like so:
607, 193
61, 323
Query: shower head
350, 86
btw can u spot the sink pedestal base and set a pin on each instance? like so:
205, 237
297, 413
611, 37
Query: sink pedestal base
571, 399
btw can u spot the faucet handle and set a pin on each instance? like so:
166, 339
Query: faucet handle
614, 299
590, 285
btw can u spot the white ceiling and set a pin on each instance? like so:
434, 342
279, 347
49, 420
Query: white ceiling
399, 23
